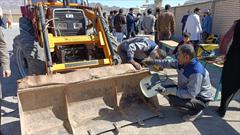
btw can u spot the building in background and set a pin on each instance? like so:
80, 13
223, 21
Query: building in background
222, 20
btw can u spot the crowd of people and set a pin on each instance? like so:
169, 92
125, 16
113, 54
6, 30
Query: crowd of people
160, 23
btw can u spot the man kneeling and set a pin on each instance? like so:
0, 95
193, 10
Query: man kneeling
193, 92
134, 50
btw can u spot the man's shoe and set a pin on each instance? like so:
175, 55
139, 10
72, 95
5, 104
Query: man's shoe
221, 112
191, 118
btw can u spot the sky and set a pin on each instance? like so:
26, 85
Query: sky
134, 3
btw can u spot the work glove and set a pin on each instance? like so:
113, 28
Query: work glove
167, 92
148, 61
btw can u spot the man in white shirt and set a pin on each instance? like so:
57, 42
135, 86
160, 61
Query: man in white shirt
193, 26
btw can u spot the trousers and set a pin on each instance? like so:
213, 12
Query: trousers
193, 106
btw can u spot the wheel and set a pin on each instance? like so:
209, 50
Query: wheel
22, 63
29, 55
26, 63
116, 59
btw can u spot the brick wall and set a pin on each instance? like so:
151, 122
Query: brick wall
224, 13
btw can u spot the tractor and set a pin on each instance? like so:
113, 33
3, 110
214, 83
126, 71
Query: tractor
61, 36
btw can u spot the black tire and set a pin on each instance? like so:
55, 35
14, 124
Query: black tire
114, 43
116, 59
29, 55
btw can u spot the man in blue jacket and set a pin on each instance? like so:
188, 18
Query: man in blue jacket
206, 25
193, 92
131, 20
136, 49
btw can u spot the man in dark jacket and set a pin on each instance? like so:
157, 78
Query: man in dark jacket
131, 20
166, 24
184, 20
4, 61
110, 22
119, 22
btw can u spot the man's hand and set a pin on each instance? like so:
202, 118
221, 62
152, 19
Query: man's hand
148, 61
6, 73
160, 89
135, 64
167, 92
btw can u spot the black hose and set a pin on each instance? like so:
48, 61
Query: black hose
106, 31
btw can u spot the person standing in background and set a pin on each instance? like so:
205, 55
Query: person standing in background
110, 22
157, 13
131, 20
184, 20
166, 24
206, 25
231, 68
193, 26
148, 23
119, 22
113, 18
5, 64
105, 15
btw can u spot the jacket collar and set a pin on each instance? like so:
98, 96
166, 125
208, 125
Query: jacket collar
190, 64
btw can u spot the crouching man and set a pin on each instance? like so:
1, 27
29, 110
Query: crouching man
193, 92
134, 51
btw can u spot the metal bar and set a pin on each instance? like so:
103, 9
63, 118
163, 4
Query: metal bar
45, 37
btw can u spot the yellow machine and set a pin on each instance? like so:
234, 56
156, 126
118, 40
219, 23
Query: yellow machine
56, 37
91, 95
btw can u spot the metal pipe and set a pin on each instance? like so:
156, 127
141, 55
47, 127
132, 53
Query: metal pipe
45, 37
65, 3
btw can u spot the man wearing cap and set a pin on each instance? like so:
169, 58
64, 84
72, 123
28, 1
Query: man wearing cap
206, 24
134, 50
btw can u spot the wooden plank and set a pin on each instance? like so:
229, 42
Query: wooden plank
170, 44
218, 65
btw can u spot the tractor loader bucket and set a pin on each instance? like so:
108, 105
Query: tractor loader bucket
86, 101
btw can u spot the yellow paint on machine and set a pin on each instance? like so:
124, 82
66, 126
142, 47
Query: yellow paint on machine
70, 40
101, 38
